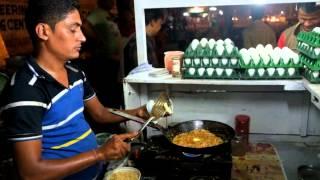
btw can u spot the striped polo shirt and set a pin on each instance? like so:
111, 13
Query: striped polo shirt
36, 106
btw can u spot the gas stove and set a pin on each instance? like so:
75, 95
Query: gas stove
157, 159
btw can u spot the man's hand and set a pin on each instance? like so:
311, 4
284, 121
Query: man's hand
115, 147
142, 112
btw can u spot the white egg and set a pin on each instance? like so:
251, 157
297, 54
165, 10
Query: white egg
196, 61
219, 49
229, 48
229, 72
201, 71
285, 58
316, 29
187, 61
219, 71
204, 42
315, 74
210, 71
280, 71
243, 51
316, 51
268, 48
246, 59
215, 61
291, 71
271, 71
265, 58
260, 48
256, 58
194, 44
234, 61
251, 72
295, 58
211, 43
275, 57
205, 61
224, 61
286, 50
220, 42
252, 50
228, 41
261, 72
191, 71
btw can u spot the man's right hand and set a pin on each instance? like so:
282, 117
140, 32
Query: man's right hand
115, 147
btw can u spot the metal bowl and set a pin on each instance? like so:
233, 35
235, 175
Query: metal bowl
109, 174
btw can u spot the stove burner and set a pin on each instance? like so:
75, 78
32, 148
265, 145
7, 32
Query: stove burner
158, 154
191, 155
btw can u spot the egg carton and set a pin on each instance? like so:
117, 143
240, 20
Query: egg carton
271, 73
263, 63
312, 76
210, 73
312, 38
312, 64
308, 50
211, 62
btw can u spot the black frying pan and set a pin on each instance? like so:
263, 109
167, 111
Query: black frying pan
220, 129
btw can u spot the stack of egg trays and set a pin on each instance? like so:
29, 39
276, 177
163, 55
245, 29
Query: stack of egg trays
206, 57
311, 38
312, 76
270, 73
210, 73
309, 44
309, 48
271, 63
312, 64
203, 62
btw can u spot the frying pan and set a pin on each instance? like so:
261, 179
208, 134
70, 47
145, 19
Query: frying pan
220, 129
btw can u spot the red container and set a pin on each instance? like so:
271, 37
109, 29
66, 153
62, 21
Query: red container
242, 124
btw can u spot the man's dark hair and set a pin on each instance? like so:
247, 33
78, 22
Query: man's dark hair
153, 14
309, 7
47, 11
257, 12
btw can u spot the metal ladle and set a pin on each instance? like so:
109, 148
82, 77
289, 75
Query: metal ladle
161, 108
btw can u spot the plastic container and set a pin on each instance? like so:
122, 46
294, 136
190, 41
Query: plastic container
168, 56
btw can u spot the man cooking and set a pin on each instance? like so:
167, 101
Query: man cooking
43, 105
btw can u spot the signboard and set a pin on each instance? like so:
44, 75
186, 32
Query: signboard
12, 27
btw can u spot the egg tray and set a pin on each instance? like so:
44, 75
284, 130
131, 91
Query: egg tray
266, 76
212, 62
206, 75
311, 38
310, 51
207, 52
312, 64
312, 76
261, 64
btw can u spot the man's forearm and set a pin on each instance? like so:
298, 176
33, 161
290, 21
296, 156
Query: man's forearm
58, 169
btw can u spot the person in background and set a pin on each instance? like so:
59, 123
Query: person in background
126, 18
309, 17
107, 54
258, 32
43, 104
154, 18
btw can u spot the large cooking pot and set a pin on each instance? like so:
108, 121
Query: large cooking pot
220, 129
